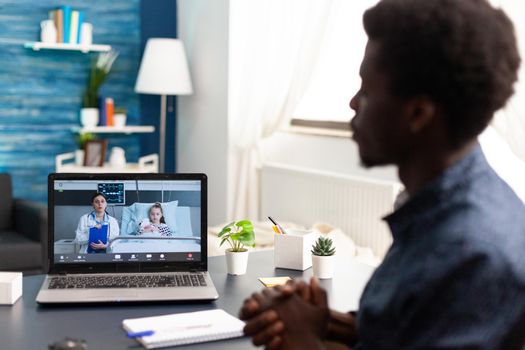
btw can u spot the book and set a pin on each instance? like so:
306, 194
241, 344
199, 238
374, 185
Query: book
184, 328
102, 111
73, 27
97, 234
59, 24
80, 21
66, 11
110, 107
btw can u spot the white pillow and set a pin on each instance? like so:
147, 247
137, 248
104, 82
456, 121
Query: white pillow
140, 211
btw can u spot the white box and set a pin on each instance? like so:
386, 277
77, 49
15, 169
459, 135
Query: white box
293, 250
10, 287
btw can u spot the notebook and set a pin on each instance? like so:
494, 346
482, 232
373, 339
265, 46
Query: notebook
96, 235
133, 267
184, 328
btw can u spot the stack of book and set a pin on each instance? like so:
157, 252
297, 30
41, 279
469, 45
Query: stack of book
67, 23
106, 108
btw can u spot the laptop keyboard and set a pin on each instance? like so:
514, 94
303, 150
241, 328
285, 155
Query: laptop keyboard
127, 281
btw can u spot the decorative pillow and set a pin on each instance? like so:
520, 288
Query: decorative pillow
135, 213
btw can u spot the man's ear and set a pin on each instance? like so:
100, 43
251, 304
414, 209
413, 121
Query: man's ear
420, 113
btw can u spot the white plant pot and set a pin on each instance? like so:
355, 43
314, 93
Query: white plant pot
89, 117
323, 266
236, 262
79, 157
119, 120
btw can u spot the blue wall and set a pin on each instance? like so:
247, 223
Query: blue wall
41, 91
158, 20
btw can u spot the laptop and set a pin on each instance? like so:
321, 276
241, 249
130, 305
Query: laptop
154, 244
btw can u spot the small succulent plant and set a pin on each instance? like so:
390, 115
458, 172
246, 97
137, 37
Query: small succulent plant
323, 247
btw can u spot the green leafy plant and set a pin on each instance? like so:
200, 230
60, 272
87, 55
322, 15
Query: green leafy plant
100, 69
238, 234
82, 138
323, 247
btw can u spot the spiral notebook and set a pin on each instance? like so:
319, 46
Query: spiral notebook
184, 328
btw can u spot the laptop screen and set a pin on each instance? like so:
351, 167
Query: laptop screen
107, 220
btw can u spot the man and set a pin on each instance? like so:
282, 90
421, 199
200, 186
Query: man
433, 74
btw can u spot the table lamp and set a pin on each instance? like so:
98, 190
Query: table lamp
163, 71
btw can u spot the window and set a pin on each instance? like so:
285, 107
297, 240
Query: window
335, 76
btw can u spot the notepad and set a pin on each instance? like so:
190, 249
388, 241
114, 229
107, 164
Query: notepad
185, 328
274, 281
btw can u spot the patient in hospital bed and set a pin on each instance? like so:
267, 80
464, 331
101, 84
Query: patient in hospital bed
155, 225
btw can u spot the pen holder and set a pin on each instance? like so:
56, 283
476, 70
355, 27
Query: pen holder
292, 250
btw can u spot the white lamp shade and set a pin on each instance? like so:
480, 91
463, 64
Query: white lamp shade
164, 70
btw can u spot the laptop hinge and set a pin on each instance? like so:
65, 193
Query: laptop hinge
62, 273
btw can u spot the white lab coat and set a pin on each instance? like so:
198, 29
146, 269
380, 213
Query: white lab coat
86, 222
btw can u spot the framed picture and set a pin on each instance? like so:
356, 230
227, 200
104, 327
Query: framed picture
95, 152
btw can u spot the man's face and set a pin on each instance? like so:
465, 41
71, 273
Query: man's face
378, 126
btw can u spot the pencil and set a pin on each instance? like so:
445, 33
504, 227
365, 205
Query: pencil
277, 225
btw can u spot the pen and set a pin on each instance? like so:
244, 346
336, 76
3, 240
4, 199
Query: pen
140, 334
172, 328
277, 225
276, 230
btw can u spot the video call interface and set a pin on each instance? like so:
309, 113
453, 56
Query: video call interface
127, 221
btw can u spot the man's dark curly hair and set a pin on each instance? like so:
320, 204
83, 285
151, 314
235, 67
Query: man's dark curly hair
460, 53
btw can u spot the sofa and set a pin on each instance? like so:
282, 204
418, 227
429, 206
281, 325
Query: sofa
23, 232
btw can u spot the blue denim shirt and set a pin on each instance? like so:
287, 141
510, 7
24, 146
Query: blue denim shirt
454, 277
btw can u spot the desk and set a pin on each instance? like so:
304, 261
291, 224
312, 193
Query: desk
26, 325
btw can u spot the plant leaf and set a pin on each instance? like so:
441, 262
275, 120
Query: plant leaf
229, 225
225, 230
223, 240
248, 238
246, 225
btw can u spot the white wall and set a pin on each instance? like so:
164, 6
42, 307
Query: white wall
202, 142
333, 154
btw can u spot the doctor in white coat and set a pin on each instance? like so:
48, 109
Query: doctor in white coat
97, 218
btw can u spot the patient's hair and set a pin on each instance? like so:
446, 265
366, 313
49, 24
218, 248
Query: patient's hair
460, 53
158, 205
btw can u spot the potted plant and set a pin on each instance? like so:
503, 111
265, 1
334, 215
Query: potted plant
81, 140
238, 235
99, 72
323, 258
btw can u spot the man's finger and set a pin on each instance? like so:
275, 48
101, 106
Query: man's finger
275, 343
260, 322
265, 336
304, 290
318, 293
249, 309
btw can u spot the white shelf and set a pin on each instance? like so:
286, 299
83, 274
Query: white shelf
130, 168
131, 129
37, 45
64, 163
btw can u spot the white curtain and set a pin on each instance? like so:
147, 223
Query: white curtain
273, 48
510, 121
503, 142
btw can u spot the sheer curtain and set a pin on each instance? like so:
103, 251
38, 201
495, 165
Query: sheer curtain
504, 140
273, 47
510, 121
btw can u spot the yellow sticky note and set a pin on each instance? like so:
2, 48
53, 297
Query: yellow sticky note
274, 281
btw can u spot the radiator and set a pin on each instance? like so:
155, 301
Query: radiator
353, 204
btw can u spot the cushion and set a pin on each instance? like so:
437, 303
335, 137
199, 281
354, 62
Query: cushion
135, 213
18, 252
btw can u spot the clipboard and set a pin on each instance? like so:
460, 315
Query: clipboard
97, 234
